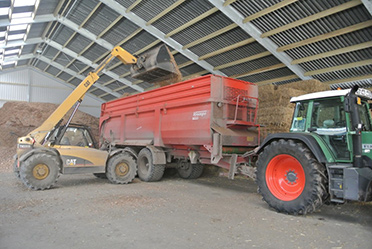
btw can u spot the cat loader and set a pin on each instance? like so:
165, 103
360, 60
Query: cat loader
57, 148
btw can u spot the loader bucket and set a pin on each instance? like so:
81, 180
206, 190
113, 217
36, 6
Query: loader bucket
156, 66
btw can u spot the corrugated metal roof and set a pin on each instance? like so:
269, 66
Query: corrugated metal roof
215, 33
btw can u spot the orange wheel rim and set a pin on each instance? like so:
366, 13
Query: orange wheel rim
285, 177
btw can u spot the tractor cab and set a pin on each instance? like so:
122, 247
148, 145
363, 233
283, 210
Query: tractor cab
331, 116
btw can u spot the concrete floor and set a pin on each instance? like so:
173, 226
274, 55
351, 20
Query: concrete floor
210, 212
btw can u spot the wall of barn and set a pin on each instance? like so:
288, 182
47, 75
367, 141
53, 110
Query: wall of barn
31, 85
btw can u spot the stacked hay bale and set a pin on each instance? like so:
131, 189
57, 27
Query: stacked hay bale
275, 111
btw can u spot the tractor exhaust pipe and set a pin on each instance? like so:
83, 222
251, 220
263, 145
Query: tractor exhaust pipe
352, 108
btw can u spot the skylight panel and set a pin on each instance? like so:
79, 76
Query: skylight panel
21, 20
4, 11
16, 37
21, 3
12, 51
21, 15
18, 27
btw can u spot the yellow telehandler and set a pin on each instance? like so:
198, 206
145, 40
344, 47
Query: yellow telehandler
57, 148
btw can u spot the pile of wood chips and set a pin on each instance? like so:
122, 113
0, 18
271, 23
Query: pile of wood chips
17, 119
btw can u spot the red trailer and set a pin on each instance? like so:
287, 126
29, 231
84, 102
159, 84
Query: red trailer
206, 120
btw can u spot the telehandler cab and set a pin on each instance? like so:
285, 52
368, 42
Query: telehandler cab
55, 148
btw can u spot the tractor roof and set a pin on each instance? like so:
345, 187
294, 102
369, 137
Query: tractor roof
366, 94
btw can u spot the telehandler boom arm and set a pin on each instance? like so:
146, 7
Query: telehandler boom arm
78, 94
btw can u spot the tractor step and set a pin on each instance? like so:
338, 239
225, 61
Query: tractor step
336, 182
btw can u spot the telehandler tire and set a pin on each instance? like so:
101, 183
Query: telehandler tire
121, 169
147, 171
40, 171
290, 179
187, 170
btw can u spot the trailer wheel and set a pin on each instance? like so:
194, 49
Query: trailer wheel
147, 171
290, 179
40, 171
121, 169
187, 170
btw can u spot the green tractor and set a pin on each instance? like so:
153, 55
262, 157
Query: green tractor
326, 156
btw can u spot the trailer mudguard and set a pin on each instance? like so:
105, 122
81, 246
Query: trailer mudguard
158, 155
307, 139
126, 149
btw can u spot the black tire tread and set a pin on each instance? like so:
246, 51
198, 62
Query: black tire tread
110, 169
195, 172
27, 167
155, 172
318, 193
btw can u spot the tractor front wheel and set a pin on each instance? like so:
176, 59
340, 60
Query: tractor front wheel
290, 179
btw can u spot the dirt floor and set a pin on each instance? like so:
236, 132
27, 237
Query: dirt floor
82, 211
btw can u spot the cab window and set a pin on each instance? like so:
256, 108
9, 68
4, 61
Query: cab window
299, 117
76, 137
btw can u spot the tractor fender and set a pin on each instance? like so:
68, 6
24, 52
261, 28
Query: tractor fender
307, 139
126, 149
49, 151
158, 155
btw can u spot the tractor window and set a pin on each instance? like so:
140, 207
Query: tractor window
364, 118
328, 120
299, 118
76, 137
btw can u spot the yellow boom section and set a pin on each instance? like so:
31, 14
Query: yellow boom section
77, 95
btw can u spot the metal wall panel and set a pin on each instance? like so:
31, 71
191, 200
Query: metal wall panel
14, 87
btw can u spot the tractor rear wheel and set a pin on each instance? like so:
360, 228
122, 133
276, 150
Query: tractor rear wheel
290, 179
187, 170
121, 168
147, 171
40, 171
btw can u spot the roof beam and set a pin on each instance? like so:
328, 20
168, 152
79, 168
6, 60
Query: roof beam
91, 64
255, 33
314, 17
37, 19
31, 41
246, 59
260, 70
338, 32
19, 58
164, 12
268, 10
362, 77
334, 52
84, 32
81, 77
341, 67
228, 2
192, 22
210, 36
228, 48
133, 5
160, 35
368, 5
265, 82
90, 15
